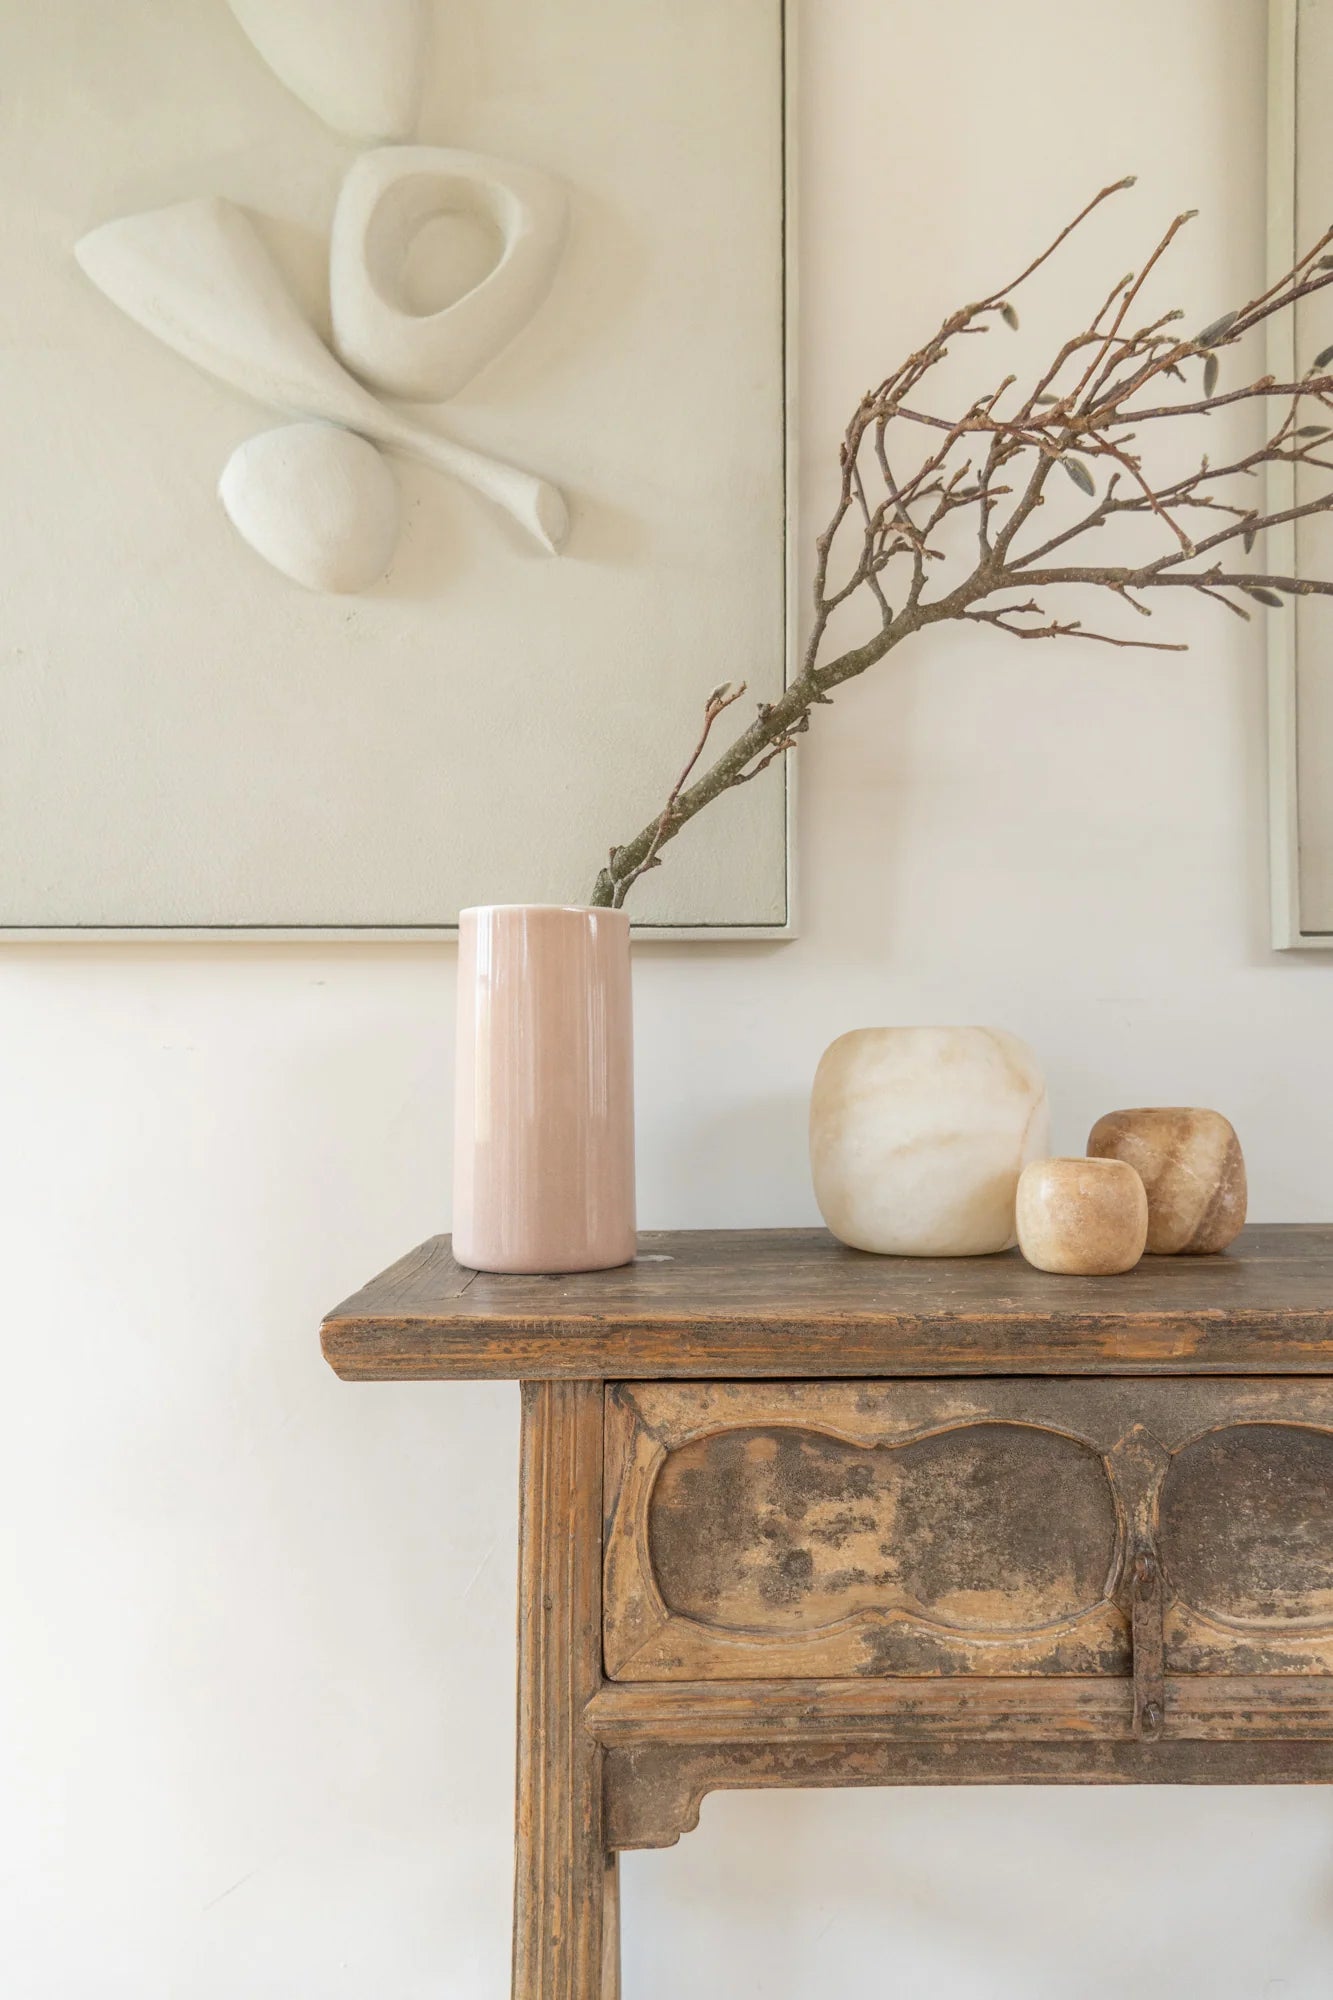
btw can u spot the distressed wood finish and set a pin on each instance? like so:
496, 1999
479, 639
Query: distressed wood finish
565, 1901
1203, 1708
760, 1530
653, 1795
793, 1303
792, 1515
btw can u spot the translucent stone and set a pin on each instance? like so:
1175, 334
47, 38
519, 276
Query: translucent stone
1191, 1163
1082, 1216
918, 1137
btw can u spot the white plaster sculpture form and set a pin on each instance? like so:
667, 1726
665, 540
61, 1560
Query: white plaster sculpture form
196, 275
357, 63
314, 498
317, 502
386, 197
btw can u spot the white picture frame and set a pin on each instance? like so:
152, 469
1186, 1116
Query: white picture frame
1300, 776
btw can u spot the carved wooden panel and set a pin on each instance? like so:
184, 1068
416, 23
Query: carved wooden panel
1247, 1541
996, 1528
776, 1530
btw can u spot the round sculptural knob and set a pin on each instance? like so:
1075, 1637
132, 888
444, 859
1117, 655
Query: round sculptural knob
1192, 1166
1082, 1216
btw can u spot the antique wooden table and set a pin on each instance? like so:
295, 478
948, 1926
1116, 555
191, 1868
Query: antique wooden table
793, 1515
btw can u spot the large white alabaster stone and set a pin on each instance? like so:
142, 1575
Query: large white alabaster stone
918, 1137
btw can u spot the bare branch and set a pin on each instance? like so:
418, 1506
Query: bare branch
1070, 628
718, 702
907, 469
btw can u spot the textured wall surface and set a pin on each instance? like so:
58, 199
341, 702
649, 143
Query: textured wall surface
256, 1667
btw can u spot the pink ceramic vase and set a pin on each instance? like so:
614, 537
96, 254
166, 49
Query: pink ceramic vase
544, 1092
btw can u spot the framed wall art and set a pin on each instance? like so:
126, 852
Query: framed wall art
397, 456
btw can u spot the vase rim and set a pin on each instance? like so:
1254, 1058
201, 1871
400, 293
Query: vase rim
567, 909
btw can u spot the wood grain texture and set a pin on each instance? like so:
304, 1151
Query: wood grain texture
1205, 1708
565, 1902
759, 1530
848, 1520
653, 1794
793, 1303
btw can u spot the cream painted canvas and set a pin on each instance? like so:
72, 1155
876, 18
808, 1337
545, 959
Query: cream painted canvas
337, 614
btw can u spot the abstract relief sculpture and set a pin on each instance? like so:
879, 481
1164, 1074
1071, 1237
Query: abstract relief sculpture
356, 63
316, 502
201, 731
386, 198
196, 275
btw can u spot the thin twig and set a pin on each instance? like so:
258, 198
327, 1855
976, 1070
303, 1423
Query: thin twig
721, 699
925, 467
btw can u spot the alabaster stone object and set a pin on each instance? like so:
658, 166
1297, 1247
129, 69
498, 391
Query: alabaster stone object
1191, 1164
918, 1137
1085, 1216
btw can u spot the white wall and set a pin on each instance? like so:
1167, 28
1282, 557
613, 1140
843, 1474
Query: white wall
256, 1656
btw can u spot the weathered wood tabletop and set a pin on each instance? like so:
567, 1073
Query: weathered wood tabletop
739, 1568
793, 1302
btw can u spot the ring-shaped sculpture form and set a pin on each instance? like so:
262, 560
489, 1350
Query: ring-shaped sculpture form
386, 198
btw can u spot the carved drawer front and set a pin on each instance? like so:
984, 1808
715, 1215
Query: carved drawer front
759, 1529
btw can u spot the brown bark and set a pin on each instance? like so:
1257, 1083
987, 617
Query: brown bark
905, 471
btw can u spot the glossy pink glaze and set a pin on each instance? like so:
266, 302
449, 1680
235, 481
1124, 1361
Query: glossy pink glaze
544, 1091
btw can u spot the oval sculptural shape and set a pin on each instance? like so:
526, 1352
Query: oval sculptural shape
317, 502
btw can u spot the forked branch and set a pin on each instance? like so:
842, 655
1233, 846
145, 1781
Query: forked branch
906, 471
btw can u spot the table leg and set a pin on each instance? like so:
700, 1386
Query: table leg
566, 1945
611, 1930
